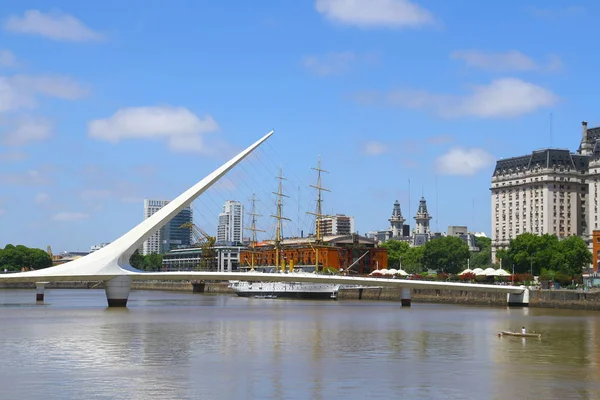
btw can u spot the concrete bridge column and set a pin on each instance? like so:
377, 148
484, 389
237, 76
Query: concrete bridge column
405, 296
117, 290
518, 299
39, 291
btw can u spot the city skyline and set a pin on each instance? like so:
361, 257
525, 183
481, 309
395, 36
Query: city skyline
412, 90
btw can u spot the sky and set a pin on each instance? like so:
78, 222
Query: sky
104, 104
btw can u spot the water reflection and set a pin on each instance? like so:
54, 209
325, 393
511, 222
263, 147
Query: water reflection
190, 346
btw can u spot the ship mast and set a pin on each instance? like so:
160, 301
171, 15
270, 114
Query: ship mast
279, 218
318, 212
253, 229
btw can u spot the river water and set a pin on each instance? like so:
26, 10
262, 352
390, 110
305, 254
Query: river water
171, 345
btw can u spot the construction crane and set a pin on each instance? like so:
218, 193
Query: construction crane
201, 238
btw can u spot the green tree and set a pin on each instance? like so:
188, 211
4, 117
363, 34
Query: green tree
401, 255
412, 260
523, 249
136, 260
481, 259
396, 250
483, 242
13, 258
447, 254
575, 255
153, 262
503, 257
39, 259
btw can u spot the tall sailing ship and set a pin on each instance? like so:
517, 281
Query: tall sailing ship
277, 258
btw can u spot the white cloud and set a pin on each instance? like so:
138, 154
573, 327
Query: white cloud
507, 61
70, 216
408, 163
61, 87
26, 130
131, 199
32, 177
461, 161
329, 64
7, 59
440, 139
42, 197
556, 13
374, 148
13, 156
54, 25
375, 13
181, 128
95, 194
21, 91
502, 98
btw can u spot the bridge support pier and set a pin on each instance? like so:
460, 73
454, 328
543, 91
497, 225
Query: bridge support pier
117, 290
39, 291
518, 299
405, 296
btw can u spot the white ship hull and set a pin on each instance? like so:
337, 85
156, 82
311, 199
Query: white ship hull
289, 290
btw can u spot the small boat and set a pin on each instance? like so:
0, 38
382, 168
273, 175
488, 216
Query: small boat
509, 333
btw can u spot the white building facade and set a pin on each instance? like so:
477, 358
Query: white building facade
336, 225
550, 191
231, 223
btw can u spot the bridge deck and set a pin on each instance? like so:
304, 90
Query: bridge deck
40, 276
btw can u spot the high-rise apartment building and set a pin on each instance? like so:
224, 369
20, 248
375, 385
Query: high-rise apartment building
170, 236
231, 223
336, 225
550, 191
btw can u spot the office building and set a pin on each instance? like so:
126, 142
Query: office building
336, 225
231, 223
170, 236
550, 191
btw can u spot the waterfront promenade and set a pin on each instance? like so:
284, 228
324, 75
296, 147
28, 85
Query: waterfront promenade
545, 298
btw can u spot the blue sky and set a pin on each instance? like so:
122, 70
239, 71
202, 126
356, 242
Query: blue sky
103, 104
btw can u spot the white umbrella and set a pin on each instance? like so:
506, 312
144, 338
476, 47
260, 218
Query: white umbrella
392, 271
478, 271
501, 272
402, 272
467, 271
489, 272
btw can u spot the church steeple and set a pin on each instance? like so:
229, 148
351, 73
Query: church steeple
397, 220
422, 218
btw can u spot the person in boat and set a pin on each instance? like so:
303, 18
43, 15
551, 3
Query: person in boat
523, 330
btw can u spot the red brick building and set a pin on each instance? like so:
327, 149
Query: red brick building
338, 252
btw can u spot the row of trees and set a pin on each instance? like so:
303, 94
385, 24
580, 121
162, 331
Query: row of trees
149, 262
15, 258
544, 255
447, 254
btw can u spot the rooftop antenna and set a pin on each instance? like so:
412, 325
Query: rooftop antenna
409, 214
551, 129
437, 203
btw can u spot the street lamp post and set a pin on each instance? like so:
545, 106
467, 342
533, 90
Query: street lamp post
531, 263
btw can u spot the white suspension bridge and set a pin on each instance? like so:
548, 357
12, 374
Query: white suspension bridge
110, 264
